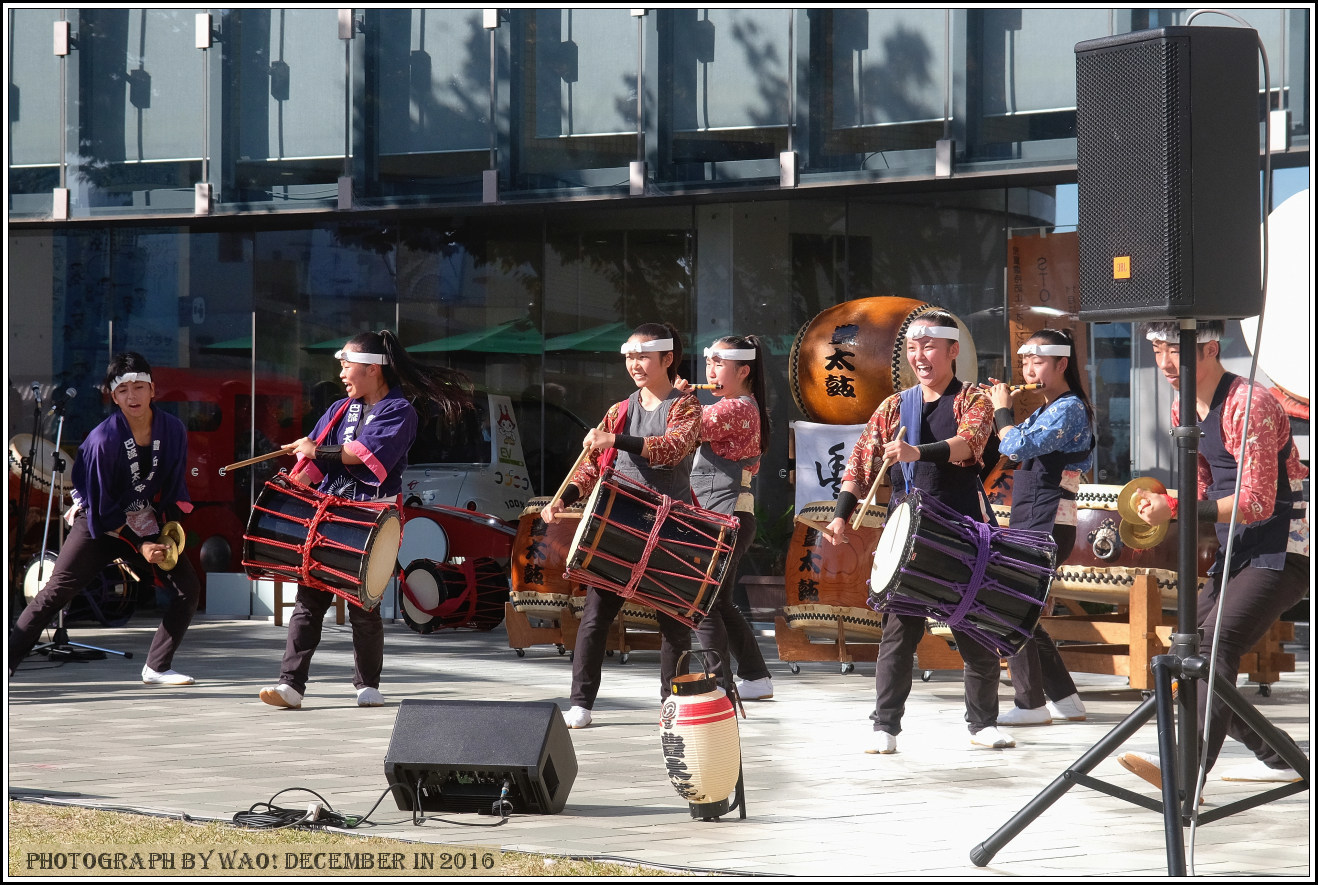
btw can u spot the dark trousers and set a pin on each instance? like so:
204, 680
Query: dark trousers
593, 638
304, 629
1255, 598
80, 560
1037, 670
725, 628
896, 665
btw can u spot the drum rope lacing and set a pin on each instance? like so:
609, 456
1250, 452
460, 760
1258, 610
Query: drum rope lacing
651, 541
968, 599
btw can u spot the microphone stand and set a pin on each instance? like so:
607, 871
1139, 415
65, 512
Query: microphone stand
1178, 758
60, 648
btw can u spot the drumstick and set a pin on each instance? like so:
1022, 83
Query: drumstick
259, 458
821, 527
874, 489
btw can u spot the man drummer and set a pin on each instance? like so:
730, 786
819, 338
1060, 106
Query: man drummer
947, 426
358, 451
130, 476
1269, 570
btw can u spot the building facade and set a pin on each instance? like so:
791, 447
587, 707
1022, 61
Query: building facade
236, 192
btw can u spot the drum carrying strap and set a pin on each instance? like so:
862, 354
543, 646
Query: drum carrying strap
911, 405
619, 425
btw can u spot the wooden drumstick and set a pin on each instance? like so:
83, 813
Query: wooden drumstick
874, 488
821, 527
258, 459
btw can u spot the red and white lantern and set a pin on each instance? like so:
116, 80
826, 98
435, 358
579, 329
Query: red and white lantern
702, 747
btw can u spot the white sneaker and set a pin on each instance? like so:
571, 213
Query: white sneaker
369, 697
1070, 709
755, 689
1021, 716
577, 717
282, 695
991, 739
169, 677
882, 743
1256, 770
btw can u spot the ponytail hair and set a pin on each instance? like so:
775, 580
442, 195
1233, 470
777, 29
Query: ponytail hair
756, 379
663, 330
1072, 374
448, 389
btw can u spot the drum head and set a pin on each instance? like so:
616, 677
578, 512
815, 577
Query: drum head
574, 559
423, 538
425, 584
381, 559
36, 574
894, 547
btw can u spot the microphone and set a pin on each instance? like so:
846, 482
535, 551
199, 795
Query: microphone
62, 400
36, 392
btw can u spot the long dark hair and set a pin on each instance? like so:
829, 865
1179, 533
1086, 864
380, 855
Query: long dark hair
448, 389
1072, 375
123, 364
663, 330
756, 379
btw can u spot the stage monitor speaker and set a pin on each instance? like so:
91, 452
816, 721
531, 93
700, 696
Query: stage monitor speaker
457, 755
1167, 159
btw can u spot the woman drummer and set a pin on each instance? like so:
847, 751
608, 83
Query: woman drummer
358, 451
128, 481
947, 425
734, 433
650, 437
1053, 448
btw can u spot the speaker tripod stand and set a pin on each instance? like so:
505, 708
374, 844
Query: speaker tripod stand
1175, 686
60, 648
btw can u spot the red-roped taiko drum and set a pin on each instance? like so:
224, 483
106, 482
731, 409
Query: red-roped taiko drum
825, 582
348, 548
852, 356
447, 596
650, 549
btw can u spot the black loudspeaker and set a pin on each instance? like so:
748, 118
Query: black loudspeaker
459, 755
1167, 158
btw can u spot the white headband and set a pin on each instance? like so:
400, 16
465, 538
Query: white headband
1045, 349
129, 377
357, 356
728, 353
1172, 335
924, 330
654, 344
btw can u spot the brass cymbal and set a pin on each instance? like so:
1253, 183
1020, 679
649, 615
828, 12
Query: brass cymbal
174, 538
1129, 496
1142, 536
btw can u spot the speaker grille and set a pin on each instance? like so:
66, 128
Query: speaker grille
1131, 176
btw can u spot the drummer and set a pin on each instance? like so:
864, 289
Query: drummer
128, 481
1053, 448
1269, 569
734, 433
650, 437
358, 451
947, 425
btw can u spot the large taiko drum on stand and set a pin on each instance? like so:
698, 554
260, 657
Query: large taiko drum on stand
852, 356
990, 583
651, 549
299, 534
825, 583
1102, 567
539, 559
